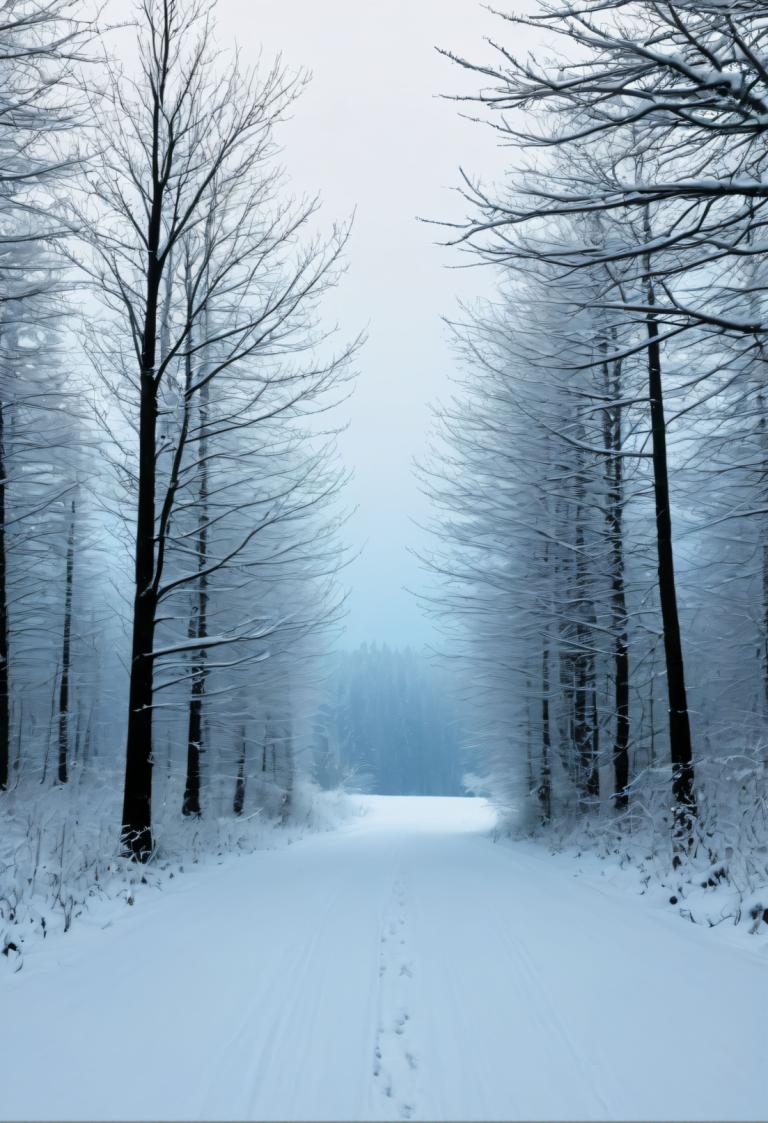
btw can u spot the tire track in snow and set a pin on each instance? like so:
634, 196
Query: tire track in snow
395, 1064
259, 994
246, 1053
538, 1003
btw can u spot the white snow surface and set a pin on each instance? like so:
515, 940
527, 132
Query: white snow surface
401, 967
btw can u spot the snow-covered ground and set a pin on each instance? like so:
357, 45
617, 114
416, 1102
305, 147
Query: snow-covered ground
401, 967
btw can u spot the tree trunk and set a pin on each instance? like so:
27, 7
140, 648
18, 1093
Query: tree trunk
585, 696
681, 751
566, 728
285, 811
191, 804
615, 519
264, 746
621, 702
198, 627
66, 653
51, 726
137, 801
531, 784
5, 701
238, 803
652, 712
585, 726
580, 724
545, 782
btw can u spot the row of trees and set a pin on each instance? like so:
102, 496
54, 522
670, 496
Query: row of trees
168, 515
617, 379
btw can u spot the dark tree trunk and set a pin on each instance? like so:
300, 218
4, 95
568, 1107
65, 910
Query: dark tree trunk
566, 730
531, 783
238, 803
591, 762
137, 801
51, 725
585, 727
615, 520
199, 630
652, 712
621, 737
285, 811
5, 701
66, 650
580, 724
593, 781
545, 781
585, 695
264, 746
681, 751
191, 804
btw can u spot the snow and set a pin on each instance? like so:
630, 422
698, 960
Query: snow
59, 846
403, 966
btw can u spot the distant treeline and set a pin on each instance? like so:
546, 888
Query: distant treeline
390, 726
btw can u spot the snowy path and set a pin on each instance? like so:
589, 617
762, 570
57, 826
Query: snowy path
402, 967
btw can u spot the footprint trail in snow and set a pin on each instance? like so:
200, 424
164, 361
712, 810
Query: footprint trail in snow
395, 1064
401, 968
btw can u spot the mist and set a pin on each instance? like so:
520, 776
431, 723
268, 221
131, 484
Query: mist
383, 559
375, 134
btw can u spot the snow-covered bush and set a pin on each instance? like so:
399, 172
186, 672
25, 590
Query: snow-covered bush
60, 855
724, 876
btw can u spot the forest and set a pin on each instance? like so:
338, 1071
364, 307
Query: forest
599, 475
381, 832
390, 726
168, 544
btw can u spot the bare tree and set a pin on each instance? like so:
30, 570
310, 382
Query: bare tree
629, 150
66, 653
185, 176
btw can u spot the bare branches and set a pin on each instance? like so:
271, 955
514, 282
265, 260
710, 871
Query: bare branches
214, 356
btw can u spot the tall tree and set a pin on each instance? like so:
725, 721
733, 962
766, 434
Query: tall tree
66, 653
185, 176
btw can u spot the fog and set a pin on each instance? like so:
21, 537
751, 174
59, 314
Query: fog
373, 135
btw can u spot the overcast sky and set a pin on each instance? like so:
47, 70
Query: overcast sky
372, 135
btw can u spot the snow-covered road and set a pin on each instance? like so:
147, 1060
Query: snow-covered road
401, 967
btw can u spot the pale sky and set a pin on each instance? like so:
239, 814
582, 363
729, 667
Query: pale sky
372, 135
